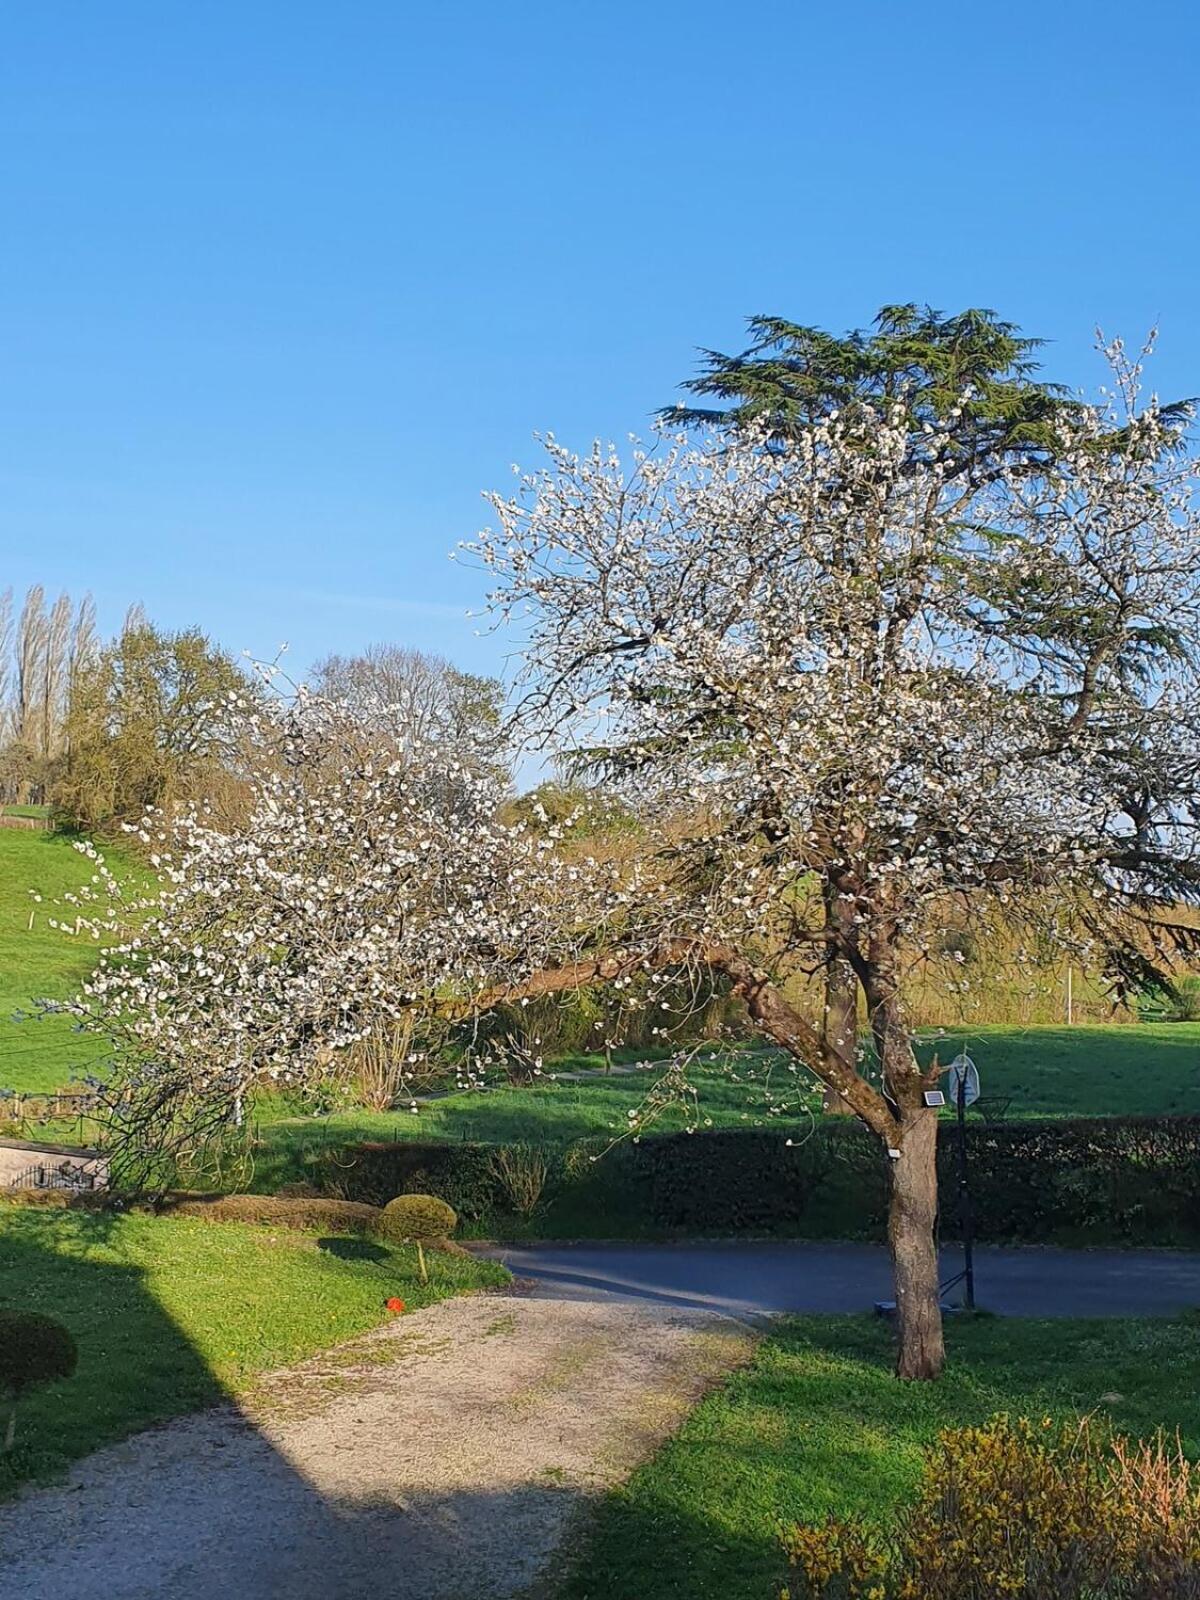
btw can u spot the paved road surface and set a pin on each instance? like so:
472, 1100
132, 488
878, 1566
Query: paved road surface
748, 1279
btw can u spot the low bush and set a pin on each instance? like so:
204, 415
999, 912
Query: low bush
34, 1350
1110, 1179
418, 1219
46, 1199
522, 1172
374, 1172
1017, 1509
307, 1215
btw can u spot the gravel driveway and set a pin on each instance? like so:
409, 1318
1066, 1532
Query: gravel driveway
441, 1458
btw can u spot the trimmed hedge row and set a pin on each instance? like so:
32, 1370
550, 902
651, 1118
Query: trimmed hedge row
276, 1211
1130, 1179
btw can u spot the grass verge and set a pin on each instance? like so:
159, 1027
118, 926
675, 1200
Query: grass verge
173, 1315
816, 1424
41, 1054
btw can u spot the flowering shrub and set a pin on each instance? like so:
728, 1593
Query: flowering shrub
1023, 1510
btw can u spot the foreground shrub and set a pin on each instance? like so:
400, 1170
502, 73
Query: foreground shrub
418, 1219
34, 1350
1013, 1509
276, 1211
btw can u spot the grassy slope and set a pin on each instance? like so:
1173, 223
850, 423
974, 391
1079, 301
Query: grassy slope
816, 1424
1087, 1071
1150, 1069
34, 961
171, 1315
1046, 1071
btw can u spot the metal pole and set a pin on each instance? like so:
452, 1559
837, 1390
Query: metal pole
1070, 998
964, 1194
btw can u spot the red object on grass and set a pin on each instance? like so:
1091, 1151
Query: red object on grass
394, 1305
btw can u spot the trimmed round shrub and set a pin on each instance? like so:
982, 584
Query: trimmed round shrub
416, 1219
33, 1350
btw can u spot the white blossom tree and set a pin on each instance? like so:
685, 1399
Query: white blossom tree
848, 691
355, 895
879, 690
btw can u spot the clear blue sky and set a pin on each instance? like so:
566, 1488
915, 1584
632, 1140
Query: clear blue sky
283, 286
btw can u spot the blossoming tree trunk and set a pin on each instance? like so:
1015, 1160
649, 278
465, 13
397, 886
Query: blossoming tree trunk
912, 1213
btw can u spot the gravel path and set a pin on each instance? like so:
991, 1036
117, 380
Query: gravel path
441, 1458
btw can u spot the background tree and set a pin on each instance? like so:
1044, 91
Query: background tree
417, 701
148, 725
40, 651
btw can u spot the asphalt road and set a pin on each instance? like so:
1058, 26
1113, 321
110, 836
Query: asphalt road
763, 1278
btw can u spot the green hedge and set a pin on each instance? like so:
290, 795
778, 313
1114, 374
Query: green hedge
1101, 1180
376, 1172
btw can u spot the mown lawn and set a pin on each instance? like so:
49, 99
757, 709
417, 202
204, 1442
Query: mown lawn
816, 1424
40, 1054
1123, 1069
1145, 1068
172, 1315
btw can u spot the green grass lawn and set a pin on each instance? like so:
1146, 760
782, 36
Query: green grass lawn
1123, 1069
1148, 1068
36, 960
172, 1315
1145, 1068
816, 1424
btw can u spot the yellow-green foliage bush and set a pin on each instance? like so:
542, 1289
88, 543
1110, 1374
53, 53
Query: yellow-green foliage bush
416, 1219
1028, 1511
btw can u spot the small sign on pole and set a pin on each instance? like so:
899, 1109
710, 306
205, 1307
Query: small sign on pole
964, 1090
964, 1080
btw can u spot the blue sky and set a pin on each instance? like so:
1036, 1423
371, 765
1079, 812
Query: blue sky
285, 286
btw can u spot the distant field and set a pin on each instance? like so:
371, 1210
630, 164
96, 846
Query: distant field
36, 960
1127, 1069
1039, 1071
1088, 1071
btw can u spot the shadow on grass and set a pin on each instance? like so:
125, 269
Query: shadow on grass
135, 1366
209, 1507
816, 1425
353, 1249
